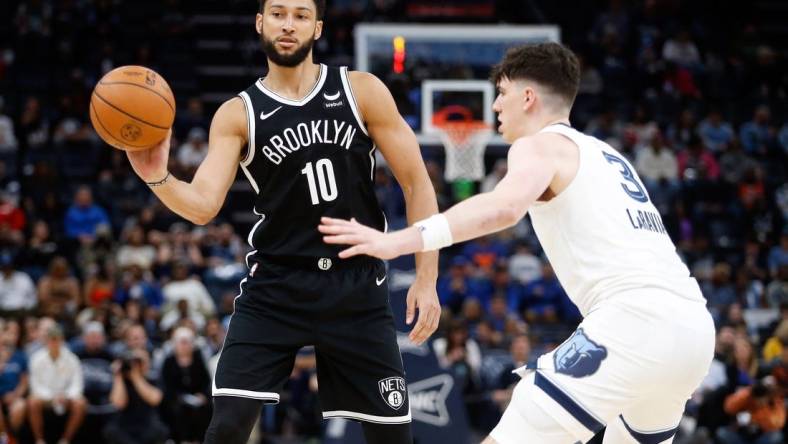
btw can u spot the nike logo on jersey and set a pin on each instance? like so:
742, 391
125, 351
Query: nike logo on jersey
331, 97
380, 281
264, 116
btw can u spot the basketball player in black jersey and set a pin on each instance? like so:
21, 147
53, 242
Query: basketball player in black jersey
305, 137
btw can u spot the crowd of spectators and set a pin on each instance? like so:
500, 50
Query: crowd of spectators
114, 309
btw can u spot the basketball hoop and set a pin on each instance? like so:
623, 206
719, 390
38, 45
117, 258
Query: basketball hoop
464, 139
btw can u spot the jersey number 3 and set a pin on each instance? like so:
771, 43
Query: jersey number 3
638, 193
324, 171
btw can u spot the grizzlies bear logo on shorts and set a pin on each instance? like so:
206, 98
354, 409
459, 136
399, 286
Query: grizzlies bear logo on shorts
579, 356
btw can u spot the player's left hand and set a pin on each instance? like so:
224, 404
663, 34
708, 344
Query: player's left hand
422, 296
369, 241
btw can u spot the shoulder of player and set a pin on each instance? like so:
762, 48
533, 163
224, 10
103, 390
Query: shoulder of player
367, 87
231, 117
363, 81
542, 144
373, 97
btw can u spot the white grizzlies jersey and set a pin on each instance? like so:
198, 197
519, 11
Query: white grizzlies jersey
602, 234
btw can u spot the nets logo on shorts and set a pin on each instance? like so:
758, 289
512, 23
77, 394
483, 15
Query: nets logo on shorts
393, 391
579, 356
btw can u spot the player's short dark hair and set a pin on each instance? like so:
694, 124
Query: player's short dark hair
552, 65
319, 4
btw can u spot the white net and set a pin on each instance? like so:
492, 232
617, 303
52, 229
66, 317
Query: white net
465, 145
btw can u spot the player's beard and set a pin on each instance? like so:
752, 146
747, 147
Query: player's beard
287, 60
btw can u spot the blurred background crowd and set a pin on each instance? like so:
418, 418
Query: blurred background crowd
114, 309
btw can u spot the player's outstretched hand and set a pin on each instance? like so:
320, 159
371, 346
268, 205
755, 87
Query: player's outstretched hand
422, 296
369, 241
151, 164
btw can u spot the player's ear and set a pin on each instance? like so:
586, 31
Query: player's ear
529, 97
318, 29
258, 23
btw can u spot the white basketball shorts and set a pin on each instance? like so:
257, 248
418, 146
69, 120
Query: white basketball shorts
631, 365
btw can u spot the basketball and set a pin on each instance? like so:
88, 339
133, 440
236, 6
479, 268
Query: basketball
132, 108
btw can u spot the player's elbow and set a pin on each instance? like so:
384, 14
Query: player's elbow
509, 213
203, 217
508, 216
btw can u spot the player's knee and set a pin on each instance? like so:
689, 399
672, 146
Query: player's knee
387, 433
233, 419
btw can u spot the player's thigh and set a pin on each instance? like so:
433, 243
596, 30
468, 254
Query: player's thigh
260, 347
526, 420
649, 423
359, 366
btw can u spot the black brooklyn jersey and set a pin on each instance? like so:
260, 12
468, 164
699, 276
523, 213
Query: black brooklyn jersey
306, 159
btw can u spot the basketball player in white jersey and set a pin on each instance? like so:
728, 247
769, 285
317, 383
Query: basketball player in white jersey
646, 340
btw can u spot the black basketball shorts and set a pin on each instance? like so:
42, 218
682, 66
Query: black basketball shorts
339, 306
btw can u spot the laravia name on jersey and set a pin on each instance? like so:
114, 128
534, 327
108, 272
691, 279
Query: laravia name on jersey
335, 132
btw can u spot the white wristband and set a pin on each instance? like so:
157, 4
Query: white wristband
435, 232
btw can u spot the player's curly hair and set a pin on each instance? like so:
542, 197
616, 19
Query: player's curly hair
551, 65
319, 4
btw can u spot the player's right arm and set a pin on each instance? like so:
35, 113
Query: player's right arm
200, 200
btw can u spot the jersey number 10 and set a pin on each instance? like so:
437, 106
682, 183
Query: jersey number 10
324, 171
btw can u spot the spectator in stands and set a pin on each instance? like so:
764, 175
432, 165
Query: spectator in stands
135, 251
524, 266
520, 355
36, 334
181, 247
42, 247
777, 290
774, 346
778, 255
59, 294
8, 142
136, 398
14, 380
682, 129
719, 291
716, 133
99, 284
134, 337
56, 385
485, 251
192, 153
757, 137
135, 285
696, 163
180, 312
643, 127
656, 162
745, 360
96, 362
541, 298
720, 382
782, 138
734, 162
682, 50
33, 128
460, 354
12, 218
184, 286
187, 389
17, 291
214, 335
453, 287
84, 217
765, 407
